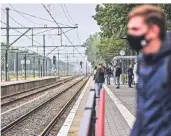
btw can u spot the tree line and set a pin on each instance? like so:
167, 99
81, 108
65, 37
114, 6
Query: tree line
112, 20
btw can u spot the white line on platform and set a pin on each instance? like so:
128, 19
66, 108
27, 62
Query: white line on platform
23, 104
123, 110
67, 124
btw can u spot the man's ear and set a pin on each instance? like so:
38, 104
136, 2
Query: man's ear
154, 31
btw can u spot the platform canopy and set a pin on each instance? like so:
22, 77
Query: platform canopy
114, 61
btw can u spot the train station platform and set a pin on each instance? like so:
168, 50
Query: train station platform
119, 110
72, 123
11, 87
11, 82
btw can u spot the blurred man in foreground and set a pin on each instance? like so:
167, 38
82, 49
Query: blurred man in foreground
146, 33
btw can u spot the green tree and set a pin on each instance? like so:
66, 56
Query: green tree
91, 44
112, 18
102, 50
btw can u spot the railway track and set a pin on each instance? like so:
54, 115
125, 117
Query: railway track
49, 129
21, 119
15, 110
11, 99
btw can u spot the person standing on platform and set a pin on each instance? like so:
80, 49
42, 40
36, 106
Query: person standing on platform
94, 75
130, 76
105, 74
114, 77
108, 72
147, 35
118, 72
99, 79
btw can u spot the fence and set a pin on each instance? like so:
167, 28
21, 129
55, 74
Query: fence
90, 125
27, 65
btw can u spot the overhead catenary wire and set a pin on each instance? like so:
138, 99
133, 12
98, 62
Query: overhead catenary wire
78, 36
66, 14
44, 31
21, 32
69, 14
72, 23
58, 25
26, 17
35, 16
3, 22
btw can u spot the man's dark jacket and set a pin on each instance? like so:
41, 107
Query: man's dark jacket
118, 72
99, 76
153, 115
108, 70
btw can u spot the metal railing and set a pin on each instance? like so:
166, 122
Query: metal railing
90, 125
100, 123
89, 119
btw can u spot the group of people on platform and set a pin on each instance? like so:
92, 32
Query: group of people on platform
104, 73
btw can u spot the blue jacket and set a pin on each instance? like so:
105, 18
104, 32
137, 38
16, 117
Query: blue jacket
153, 113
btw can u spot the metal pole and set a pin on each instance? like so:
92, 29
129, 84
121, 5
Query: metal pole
25, 74
86, 68
14, 61
32, 37
39, 67
67, 64
43, 55
7, 45
58, 63
61, 36
122, 71
34, 65
17, 66
46, 67
41, 71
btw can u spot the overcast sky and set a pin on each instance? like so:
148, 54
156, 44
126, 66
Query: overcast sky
81, 14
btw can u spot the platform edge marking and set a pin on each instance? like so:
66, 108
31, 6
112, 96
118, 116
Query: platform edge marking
67, 124
123, 110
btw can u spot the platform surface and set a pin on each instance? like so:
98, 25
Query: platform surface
119, 110
72, 123
28, 80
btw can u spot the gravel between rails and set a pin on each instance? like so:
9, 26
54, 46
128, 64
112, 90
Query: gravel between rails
16, 113
35, 123
33, 95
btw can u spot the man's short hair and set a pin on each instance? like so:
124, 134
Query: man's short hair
152, 15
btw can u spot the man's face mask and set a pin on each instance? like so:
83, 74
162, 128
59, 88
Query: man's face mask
137, 42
